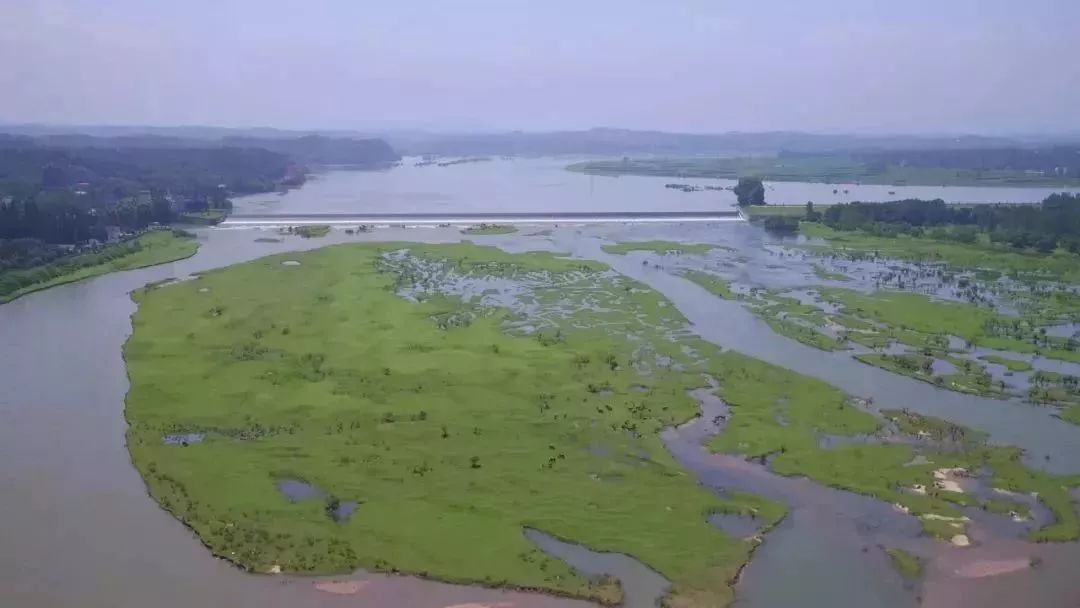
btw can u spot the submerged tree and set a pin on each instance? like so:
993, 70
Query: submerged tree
750, 191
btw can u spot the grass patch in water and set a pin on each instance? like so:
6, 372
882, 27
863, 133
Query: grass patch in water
1013, 365
980, 255
826, 275
909, 566
760, 394
971, 380
712, 283
801, 333
311, 232
917, 425
489, 229
1071, 414
1004, 507
660, 247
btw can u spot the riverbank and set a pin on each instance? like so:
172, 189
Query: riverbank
828, 170
210, 217
149, 249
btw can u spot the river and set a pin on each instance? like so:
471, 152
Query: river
543, 185
79, 529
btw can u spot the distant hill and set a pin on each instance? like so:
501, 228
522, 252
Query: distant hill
382, 146
303, 149
619, 142
319, 150
110, 173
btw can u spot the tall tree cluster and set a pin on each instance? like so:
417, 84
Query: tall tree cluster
1046, 226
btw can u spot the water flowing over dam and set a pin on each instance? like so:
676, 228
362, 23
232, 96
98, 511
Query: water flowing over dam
592, 217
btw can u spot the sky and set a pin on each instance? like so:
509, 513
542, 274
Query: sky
841, 66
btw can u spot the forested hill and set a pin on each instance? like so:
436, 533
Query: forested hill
319, 150
307, 150
105, 175
68, 188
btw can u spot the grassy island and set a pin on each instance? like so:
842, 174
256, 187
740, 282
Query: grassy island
426, 430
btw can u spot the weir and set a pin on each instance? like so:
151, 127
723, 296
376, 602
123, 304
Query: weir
620, 217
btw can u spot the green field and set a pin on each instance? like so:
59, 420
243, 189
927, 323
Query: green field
453, 431
827, 169
452, 440
150, 249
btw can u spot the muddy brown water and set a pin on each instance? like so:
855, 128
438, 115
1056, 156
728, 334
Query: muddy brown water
78, 529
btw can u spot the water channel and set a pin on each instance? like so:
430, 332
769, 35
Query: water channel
79, 529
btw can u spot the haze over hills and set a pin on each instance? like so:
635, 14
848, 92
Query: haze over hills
596, 141
312, 149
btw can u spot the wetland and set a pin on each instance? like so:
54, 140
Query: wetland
606, 413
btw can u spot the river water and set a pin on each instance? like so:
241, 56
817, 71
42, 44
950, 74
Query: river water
78, 529
543, 185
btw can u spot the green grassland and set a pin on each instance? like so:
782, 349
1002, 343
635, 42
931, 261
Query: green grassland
827, 169
454, 432
150, 249
660, 247
453, 440
912, 311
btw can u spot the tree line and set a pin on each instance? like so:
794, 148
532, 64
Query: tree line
1047, 160
1053, 223
71, 195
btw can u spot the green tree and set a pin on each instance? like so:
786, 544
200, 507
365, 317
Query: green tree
750, 191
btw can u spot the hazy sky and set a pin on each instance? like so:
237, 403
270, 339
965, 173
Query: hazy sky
990, 66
